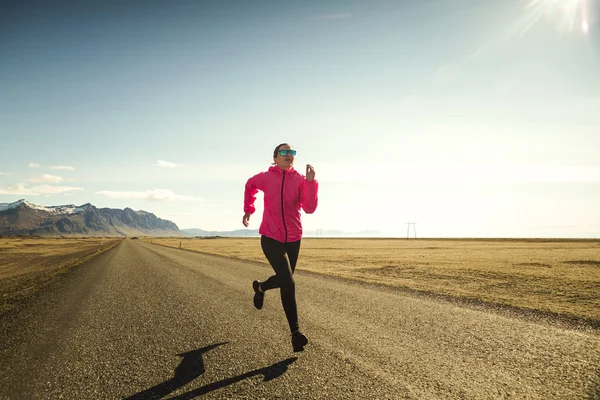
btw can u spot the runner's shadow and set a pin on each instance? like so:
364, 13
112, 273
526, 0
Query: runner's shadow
190, 367
271, 372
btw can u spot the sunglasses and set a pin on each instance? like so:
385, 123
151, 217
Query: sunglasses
285, 152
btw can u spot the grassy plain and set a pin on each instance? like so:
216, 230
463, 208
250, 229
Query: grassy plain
26, 264
556, 276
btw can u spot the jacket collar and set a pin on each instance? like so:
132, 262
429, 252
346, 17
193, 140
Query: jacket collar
278, 170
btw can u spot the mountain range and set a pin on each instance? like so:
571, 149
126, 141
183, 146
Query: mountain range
25, 218
234, 233
320, 233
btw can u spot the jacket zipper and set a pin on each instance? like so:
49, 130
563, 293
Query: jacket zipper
282, 210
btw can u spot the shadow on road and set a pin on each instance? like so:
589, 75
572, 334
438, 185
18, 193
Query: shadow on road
191, 367
271, 372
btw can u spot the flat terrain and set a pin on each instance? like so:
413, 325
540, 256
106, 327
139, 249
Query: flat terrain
29, 263
560, 277
142, 321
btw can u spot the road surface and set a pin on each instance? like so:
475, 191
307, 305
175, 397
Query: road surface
142, 321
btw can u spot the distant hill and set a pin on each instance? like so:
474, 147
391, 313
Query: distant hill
25, 218
235, 233
254, 233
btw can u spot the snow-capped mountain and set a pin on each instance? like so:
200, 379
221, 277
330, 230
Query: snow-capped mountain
24, 218
66, 209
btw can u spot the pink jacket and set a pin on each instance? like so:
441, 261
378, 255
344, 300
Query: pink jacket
284, 194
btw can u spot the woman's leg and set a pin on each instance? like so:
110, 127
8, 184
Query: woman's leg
282, 265
293, 250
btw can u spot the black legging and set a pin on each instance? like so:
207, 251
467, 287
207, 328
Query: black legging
283, 258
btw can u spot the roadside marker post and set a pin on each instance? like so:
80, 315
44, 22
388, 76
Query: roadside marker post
408, 224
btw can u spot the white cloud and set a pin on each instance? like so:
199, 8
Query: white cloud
152, 195
46, 179
20, 189
47, 189
166, 164
63, 167
33, 165
333, 16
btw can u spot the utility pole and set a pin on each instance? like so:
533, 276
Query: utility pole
408, 224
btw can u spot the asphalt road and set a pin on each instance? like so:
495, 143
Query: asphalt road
142, 321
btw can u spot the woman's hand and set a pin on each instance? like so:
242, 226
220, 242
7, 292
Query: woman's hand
246, 219
310, 173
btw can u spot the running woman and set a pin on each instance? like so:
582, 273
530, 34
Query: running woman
286, 191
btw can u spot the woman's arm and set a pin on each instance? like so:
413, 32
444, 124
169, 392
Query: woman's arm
309, 193
253, 185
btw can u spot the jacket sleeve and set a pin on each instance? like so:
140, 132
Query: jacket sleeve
310, 196
253, 185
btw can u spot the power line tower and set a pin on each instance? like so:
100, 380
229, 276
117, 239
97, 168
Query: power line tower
408, 225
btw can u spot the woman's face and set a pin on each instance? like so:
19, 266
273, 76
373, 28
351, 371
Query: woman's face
284, 161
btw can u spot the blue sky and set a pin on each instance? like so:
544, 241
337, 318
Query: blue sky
470, 118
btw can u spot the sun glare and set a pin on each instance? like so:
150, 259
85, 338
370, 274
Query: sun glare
564, 15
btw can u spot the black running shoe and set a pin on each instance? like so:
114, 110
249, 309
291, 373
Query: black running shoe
259, 297
298, 341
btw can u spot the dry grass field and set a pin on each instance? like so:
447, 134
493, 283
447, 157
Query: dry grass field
554, 276
26, 264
